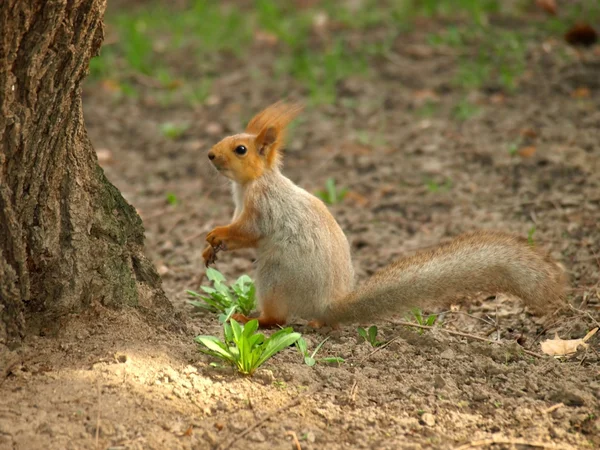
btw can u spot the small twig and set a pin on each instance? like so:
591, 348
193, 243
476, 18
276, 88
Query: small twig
353, 391
553, 408
381, 347
291, 404
295, 439
487, 442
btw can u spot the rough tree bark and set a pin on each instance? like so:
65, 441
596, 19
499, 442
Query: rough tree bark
67, 236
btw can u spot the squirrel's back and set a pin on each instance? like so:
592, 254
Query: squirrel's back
480, 262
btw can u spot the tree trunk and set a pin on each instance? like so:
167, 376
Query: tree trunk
67, 236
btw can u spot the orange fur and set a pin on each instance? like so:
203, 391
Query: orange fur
274, 119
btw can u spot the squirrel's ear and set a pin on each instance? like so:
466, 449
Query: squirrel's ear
265, 139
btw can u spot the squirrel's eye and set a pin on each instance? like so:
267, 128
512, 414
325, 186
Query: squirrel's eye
241, 150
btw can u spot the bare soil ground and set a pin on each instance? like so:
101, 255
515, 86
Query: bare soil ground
111, 380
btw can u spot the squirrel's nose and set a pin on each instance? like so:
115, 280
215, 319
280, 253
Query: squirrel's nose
211, 155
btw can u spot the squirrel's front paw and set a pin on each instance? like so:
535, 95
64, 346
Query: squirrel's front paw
209, 255
216, 238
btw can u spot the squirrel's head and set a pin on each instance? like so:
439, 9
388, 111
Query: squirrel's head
247, 156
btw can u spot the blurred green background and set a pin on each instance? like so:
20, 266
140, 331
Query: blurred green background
178, 48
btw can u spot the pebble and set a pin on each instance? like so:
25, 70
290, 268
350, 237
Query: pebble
448, 354
428, 419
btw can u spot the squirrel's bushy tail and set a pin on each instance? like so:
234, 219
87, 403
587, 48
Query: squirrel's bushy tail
480, 262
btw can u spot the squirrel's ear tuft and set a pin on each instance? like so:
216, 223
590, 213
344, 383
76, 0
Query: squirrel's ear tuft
269, 126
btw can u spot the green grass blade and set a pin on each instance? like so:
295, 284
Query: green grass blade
319, 347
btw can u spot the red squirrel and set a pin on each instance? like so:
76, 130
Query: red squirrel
304, 266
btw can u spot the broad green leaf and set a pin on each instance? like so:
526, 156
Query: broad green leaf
227, 332
373, 333
208, 289
277, 343
256, 340
250, 327
362, 333
216, 346
223, 290
301, 344
244, 279
214, 275
236, 329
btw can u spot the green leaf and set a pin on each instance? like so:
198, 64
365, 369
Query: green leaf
236, 329
331, 191
276, 343
215, 346
373, 334
228, 313
309, 361
362, 333
243, 280
214, 275
301, 345
227, 332
250, 327
199, 305
256, 340
430, 320
207, 289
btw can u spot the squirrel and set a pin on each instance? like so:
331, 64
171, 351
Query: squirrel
304, 266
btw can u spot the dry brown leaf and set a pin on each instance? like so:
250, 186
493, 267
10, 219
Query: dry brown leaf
527, 152
547, 5
581, 34
563, 347
581, 92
